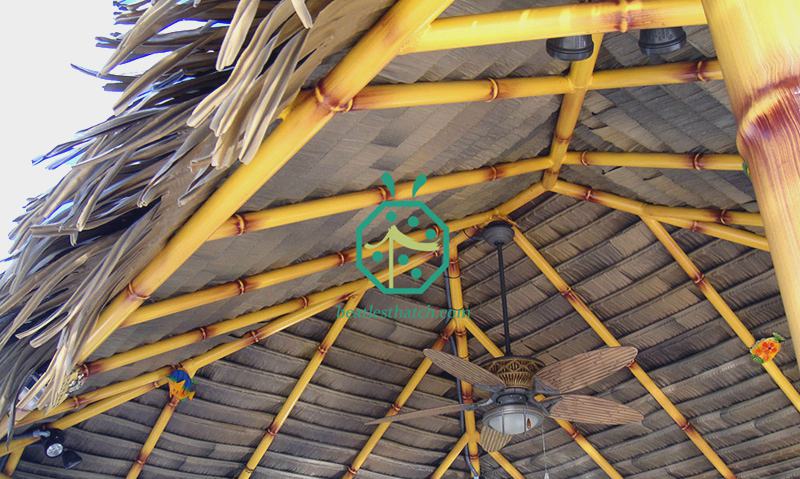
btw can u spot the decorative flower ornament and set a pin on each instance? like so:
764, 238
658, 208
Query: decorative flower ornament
181, 385
767, 348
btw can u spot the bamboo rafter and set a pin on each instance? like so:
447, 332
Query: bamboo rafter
462, 349
153, 437
451, 456
580, 75
333, 93
299, 387
605, 334
725, 311
11, 463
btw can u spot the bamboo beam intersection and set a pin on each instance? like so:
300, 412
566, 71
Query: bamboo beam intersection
605, 334
374, 50
300, 387
552, 22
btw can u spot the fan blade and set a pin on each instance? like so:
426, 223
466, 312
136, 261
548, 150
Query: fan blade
492, 440
592, 410
465, 370
427, 413
586, 368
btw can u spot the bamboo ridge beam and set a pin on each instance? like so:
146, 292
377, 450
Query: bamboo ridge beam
605, 334
686, 161
553, 22
152, 438
716, 300
451, 456
377, 97
758, 45
462, 349
299, 387
580, 76
637, 208
307, 210
333, 94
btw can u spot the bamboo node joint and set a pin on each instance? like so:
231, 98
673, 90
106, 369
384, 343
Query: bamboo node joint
132, 293
697, 164
494, 89
241, 225
323, 101
242, 286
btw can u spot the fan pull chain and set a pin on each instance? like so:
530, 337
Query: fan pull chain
544, 453
503, 300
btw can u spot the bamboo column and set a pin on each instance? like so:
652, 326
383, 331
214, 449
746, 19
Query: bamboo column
759, 46
153, 437
637, 208
332, 94
552, 22
580, 76
741, 331
644, 379
450, 457
12, 462
462, 349
300, 387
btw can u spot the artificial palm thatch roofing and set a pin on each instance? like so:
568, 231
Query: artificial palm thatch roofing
183, 125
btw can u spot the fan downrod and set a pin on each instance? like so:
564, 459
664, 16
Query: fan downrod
498, 233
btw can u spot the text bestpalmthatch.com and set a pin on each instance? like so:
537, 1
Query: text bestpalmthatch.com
422, 312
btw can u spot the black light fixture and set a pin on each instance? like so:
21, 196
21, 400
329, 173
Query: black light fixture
570, 49
71, 459
53, 443
660, 41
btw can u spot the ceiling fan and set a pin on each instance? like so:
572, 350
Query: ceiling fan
523, 391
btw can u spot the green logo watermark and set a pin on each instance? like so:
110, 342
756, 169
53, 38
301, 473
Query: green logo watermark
394, 247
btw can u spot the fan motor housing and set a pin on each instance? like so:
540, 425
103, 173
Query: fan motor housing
516, 372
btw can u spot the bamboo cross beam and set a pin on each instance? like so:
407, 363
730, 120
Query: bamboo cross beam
12, 462
300, 386
333, 94
637, 208
377, 97
462, 349
580, 76
153, 437
605, 334
450, 457
685, 161
540, 23
506, 465
716, 300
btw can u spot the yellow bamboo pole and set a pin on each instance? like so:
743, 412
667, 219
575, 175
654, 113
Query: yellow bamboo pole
725, 217
721, 306
573, 433
158, 309
637, 208
300, 387
758, 45
462, 349
644, 379
686, 161
555, 21
506, 465
450, 457
153, 437
306, 210
332, 94
12, 462
580, 76
376, 97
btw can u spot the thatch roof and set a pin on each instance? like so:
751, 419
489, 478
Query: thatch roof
128, 191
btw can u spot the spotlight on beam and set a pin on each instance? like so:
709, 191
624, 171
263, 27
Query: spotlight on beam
570, 49
660, 41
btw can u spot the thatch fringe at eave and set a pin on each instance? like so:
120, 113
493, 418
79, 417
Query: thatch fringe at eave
137, 176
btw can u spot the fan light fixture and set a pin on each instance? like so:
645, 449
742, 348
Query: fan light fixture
513, 419
54, 443
660, 41
570, 49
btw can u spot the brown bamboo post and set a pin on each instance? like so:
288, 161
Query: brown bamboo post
716, 300
580, 76
685, 161
637, 208
462, 349
300, 386
506, 465
540, 23
333, 94
152, 438
644, 379
450, 457
12, 462
758, 45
